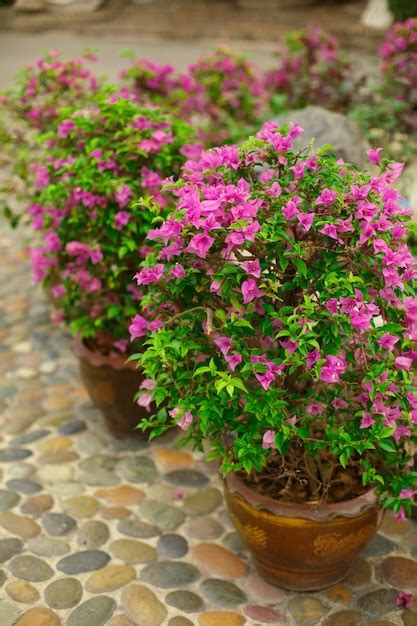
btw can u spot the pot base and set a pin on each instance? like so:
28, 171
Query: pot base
293, 580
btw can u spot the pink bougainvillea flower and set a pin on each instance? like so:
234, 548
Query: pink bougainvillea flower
224, 344
388, 341
123, 195
403, 363
268, 439
200, 245
233, 360
65, 128
121, 219
149, 275
252, 267
138, 327
404, 600
185, 421
374, 155
250, 290
401, 516
367, 420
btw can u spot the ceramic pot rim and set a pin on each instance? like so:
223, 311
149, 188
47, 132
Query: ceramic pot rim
316, 512
96, 359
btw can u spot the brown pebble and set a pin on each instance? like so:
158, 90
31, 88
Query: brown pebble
37, 505
120, 620
219, 561
38, 616
110, 577
22, 591
121, 496
400, 572
339, 594
173, 459
54, 444
20, 526
115, 512
221, 618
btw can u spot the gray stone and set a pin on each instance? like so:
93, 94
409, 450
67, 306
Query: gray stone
378, 603
165, 516
222, 593
379, 546
186, 601
93, 534
100, 478
134, 527
172, 546
137, 469
71, 428
30, 568
63, 593
328, 128
86, 561
186, 478
98, 462
166, 574
8, 613
9, 455
58, 524
409, 618
203, 502
24, 486
204, 528
8, 499
233, 542
35, 435
48, 547
9, 547
94, 612
179, 620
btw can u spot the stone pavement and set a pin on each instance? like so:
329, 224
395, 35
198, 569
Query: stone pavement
98, 531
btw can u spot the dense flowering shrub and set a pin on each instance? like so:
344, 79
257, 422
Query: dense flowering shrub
398, 54
285, 298
402, 9
311, 70
221, 95
388, 111
100, 158
48, 85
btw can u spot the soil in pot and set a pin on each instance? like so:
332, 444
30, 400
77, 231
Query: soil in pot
112, 385
302, 545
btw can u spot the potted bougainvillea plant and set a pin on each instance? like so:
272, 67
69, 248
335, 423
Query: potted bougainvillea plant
284, 295
99, 158
222, 95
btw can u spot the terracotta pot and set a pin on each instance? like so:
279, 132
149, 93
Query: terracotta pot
112, 384
301, 547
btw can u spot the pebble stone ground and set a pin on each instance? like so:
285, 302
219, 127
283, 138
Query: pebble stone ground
98, 531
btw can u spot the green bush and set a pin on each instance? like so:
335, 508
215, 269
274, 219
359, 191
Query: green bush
402, 9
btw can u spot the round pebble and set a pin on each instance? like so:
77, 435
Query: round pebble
110, 577
98, 461
86, 561
39, 616
59, 474
379, 602
71, 428
172, 546
31, 437
379, 546
137, 469
23, 486
204, 528
30, 568
10, 455
307, 610
8, 499
173, 459
122, 495
8, 613
221, 618
9, 547
233, 542
222, 593
214, 559
43, 546
80, 506
360, 574
166, 574
66, 489
21, 526
142, 606
58, 524
100, 478
186, 478
22, 591
399, 571
137, 528
344, 618
165, 516
186, 601
94, 612
93, 534
37, 505
131, 551
63, 593
203, 502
